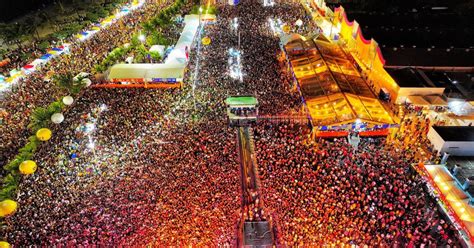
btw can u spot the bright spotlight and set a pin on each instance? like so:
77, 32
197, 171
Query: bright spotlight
103, 107
91, 145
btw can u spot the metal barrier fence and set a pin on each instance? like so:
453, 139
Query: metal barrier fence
302, 120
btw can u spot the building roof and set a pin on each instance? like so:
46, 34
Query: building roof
455, 133
241, 101
145, 71
453, 195
408, 77
333, 88
464, 83
421, 28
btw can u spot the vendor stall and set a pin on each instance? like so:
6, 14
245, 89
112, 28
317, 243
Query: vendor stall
146, 75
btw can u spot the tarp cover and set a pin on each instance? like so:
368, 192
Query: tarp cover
146, 71
241, 101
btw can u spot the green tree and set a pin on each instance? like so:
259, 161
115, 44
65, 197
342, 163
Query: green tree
155, 56
66, 81
9, 187
39, 119
148, 27
12, 32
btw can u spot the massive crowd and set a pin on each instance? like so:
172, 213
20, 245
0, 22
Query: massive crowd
146, 167
330, 193
36, 91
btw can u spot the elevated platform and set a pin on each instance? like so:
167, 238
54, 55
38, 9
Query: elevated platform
464, 172
242, 111
257, 234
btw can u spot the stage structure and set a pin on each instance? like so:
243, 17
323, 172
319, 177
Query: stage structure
242, 110
146, 75
255, 230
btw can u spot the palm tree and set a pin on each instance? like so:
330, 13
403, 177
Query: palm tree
31, 26
148, 27
12, 32
43, 15
39, 119
67, 82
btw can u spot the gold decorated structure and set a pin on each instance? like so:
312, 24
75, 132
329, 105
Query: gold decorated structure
334, 90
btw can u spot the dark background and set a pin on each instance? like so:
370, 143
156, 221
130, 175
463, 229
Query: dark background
10, 9
392, 22
413, 23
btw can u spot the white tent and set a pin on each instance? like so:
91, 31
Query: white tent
178, 55
147, 72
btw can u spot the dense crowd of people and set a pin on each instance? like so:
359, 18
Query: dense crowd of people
14, 59
35, 90
148, 179
330, 193
140, 167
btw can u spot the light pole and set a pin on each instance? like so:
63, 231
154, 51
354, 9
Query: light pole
196, 72
200, 12
239, 40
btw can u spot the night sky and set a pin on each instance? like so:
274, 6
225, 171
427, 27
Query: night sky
10, 9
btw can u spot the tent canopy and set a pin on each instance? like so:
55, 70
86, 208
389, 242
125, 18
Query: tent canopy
148, 72
418, 100
438, 173
290, 37
436, 101
189, 31
177, 56
241, 101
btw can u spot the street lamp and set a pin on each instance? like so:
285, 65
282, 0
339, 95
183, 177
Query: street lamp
200, 12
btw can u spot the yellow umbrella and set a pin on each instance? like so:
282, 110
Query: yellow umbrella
7, 207
206, 41
44, 134
28, 167
286, 28
4, 244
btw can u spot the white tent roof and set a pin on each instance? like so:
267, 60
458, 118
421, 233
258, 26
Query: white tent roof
195, 17
146, 71
187, 36
177, 56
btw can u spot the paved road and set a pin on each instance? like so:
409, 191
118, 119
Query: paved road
250, 191
256, 228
